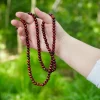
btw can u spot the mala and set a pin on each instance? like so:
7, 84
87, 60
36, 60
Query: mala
52, 66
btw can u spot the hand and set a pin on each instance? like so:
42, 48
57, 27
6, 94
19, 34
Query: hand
60, 33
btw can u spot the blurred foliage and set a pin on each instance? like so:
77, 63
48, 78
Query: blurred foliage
16, 85
78, 18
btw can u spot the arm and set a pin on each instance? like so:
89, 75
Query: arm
77, 54
80, 56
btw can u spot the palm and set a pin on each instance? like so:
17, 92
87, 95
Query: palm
48, 30
32, 35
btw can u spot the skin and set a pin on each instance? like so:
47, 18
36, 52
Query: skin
80, 56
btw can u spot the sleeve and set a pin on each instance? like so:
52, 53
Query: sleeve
94, 75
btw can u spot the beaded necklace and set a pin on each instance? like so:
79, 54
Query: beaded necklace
52, 66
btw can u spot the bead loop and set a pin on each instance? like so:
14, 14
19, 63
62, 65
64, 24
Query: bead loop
51, 51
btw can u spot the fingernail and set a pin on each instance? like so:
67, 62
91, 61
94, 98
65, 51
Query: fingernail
12, 22
37, 9
18, 14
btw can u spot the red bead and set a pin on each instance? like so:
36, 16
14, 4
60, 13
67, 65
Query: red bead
29, 68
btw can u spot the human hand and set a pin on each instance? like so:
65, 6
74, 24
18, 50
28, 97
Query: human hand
60, 33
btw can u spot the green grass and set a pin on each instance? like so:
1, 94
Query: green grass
65, 83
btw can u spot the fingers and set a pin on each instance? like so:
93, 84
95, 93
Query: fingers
25, 17
22, 36
23, 41
21, 31
42, 15
16, 23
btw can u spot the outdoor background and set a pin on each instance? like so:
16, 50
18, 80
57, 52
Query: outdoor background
80, 18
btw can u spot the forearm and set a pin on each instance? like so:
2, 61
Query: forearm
80, 56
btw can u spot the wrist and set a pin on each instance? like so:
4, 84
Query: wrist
63, 42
